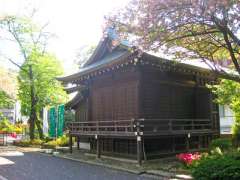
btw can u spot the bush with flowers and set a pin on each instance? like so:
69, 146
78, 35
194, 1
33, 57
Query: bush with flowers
217, 165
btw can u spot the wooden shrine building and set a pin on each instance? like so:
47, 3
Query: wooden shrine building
138, 105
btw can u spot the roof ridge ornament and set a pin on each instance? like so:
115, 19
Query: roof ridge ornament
111, 33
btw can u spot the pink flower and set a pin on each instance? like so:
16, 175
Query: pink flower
188, 158
14, 135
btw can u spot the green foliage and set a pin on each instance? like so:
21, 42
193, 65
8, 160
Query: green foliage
37, 142
28, 143
228, 92
6, 126
61, 141
5, 100
222, 143
22, 143
49, 91
221, 167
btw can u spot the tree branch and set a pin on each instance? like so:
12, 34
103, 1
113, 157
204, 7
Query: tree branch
230, 49
193, 34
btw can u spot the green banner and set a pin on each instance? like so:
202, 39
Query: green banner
56, 120
52, 122
60, 120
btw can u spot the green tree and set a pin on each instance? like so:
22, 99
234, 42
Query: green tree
228, 92
47, 90
31, 41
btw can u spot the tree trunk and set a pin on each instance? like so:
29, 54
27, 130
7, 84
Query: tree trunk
31, 128
32, 121
33, 115
39, 127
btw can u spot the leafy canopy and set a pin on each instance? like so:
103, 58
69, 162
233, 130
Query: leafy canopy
48, 90
205, 29
25, 33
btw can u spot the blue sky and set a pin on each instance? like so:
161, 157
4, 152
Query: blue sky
76, 23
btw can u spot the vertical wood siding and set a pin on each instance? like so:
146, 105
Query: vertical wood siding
115, 97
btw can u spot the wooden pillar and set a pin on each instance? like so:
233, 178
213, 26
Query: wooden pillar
211, 114
78, 142
139, 141
70, 143
139, 150
173, 144
98, 146
196, 94
187, 143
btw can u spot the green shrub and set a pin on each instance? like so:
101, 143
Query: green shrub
219, 167
61, 141
222, 143
50, 144
28, 143
22, 143
47, 139
36, 142
6, 126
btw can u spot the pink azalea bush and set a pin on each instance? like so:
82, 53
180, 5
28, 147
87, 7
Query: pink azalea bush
188, 158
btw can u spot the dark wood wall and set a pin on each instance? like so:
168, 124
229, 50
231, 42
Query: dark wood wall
81, 111
173, 95
145, 93
114, 96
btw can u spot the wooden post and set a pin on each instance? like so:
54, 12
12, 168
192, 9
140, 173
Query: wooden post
188, 144
139, 150
70, 143
98, 146
78, 142
139, 143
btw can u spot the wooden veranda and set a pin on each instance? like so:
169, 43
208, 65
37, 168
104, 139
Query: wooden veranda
139, 129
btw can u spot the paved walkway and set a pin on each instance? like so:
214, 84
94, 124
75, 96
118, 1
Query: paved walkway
36, 166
